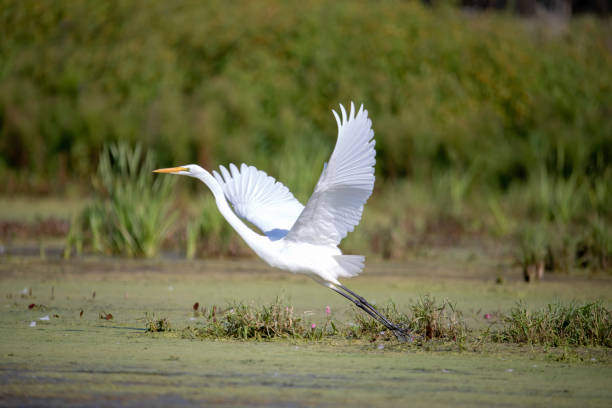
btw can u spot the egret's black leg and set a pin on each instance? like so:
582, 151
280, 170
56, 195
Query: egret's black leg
401, 334
367, 304
360, 305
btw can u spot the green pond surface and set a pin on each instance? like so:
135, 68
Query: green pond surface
83, 360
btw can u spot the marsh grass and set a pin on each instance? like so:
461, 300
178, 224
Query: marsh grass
589, 324
157, 324
430, 322
241, 321
427, 319
130, 212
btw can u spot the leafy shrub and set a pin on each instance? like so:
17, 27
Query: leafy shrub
217, 83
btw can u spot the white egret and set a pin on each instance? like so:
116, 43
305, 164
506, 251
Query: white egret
298, 238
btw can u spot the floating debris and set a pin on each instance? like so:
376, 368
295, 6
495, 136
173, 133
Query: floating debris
32, 324
44, 318
106, 316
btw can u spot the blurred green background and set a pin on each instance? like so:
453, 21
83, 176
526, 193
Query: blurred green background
490, 128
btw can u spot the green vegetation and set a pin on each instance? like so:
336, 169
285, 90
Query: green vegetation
242, 321
428, 320
157, 325
486, 125
493, 154
589, 324
493, 97
76, 357
130, 212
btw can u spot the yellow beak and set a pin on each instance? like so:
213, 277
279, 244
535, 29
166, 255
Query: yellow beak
170, 170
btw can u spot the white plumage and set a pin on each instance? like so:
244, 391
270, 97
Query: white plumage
260, 199
346, 183
298, 238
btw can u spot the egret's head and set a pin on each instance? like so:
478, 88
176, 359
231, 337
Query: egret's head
192, 170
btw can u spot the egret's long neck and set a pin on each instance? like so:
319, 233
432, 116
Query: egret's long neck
248, 235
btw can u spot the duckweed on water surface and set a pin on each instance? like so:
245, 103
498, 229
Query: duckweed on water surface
87, 360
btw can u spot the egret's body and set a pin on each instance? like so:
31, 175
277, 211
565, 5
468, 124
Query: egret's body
298, 238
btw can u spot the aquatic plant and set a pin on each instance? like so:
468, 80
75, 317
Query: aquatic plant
426, 320
130, 212
588, 324
155, 325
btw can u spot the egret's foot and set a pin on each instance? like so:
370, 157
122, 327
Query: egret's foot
403, 335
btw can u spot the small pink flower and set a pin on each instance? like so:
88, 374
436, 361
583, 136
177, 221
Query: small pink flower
327, 310
313, 326
487, 316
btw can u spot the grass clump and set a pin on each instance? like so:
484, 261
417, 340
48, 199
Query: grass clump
427, 319
156, 325
130, 212
558, 325
438, 321
240, 321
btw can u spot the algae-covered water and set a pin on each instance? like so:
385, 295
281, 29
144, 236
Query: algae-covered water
81, 359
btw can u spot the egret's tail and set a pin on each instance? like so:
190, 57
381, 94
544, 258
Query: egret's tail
349, 265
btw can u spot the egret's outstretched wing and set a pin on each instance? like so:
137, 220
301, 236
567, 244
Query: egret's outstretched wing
260, 199
335, 207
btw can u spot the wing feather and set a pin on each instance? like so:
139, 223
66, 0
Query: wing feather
346, 183
259, 199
